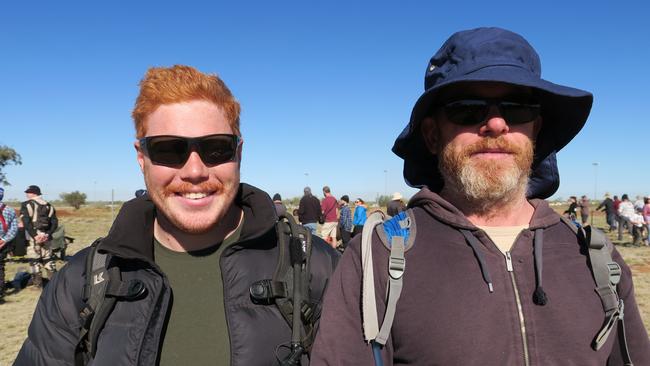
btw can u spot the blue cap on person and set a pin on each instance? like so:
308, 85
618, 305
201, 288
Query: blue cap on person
2, 193
33, 189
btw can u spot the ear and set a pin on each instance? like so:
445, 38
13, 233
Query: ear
429, 131
139, 155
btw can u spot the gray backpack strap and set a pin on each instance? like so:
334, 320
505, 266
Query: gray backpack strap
607, 275
396, 266
368, 300
394, 232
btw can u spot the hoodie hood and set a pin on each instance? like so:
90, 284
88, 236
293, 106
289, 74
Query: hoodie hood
438, 207
131, 235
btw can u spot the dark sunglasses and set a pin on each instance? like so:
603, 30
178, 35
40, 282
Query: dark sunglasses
174, 151
470, 112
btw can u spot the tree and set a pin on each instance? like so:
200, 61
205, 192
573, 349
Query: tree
7, 156
74, 199
383, 200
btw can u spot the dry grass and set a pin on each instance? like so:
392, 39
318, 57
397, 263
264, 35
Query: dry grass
89, 223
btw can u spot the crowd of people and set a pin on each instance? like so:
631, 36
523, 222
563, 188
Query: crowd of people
338, 222
478, 270
621, 215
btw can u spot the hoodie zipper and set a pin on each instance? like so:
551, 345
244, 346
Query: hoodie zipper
522, 324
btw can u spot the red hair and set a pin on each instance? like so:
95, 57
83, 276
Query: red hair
177, 84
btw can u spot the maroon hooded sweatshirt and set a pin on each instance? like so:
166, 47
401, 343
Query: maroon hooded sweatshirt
447, 316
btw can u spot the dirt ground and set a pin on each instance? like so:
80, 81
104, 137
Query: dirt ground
89, 223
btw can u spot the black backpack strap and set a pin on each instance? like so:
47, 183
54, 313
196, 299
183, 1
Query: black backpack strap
289, 287
607, 274
103, 286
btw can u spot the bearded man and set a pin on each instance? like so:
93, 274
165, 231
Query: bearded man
189, 263
481, 145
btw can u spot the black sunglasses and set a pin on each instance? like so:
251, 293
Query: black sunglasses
470, 112
174, 151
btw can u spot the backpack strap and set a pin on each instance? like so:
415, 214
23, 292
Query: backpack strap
607, 275
102, 288
395, 232
289, 287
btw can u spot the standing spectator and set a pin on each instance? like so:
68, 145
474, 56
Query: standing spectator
309, 210
617, 203
359, 216
328, 207
584, 209
8, 229
571, 212
625, 212
607, 205
345, 221
40, 221
646, 219
280, 209
395, 205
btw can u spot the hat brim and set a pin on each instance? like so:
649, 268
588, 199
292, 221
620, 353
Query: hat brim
564, 113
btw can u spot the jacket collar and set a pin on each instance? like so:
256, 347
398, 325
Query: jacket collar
131, 235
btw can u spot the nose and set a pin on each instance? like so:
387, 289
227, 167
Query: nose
194, 169
495, 124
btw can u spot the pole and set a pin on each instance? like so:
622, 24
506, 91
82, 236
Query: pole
386, 182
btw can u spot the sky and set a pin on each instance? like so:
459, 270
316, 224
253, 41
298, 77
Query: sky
325, 87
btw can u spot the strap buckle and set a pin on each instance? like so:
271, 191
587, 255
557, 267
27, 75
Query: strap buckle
396, 267
614, 273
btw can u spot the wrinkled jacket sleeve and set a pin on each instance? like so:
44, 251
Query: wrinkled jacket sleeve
340, 338
636, 335
54, 330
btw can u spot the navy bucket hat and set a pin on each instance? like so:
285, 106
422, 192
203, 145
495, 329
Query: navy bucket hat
494, 55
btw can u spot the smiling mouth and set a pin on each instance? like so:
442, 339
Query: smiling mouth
194, 195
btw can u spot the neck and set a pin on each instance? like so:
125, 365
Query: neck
177, 240
510, 211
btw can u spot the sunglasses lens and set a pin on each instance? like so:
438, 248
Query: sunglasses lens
515, 113
217, 149
466, 112
167, 150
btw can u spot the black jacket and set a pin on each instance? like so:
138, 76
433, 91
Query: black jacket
134, 330
309, 210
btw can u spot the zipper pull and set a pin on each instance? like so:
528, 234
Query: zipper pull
508, 262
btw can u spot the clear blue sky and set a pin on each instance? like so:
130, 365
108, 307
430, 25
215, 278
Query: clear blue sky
325, 87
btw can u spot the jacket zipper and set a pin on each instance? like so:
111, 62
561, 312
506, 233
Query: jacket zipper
520, 311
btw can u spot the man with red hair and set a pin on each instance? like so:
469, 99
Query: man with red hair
187, 263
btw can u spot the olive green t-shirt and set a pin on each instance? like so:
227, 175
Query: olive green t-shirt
197, 333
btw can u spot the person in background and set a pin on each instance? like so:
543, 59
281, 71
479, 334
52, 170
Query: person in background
395, 205
359, 216
280, 209
617, 203
345, 221
328, 207
584, 210
571, 212
625, 212
8, 230
309, 211
607, 205
638, 226
40, 222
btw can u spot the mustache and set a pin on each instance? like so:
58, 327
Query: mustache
184, 187
492, 143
